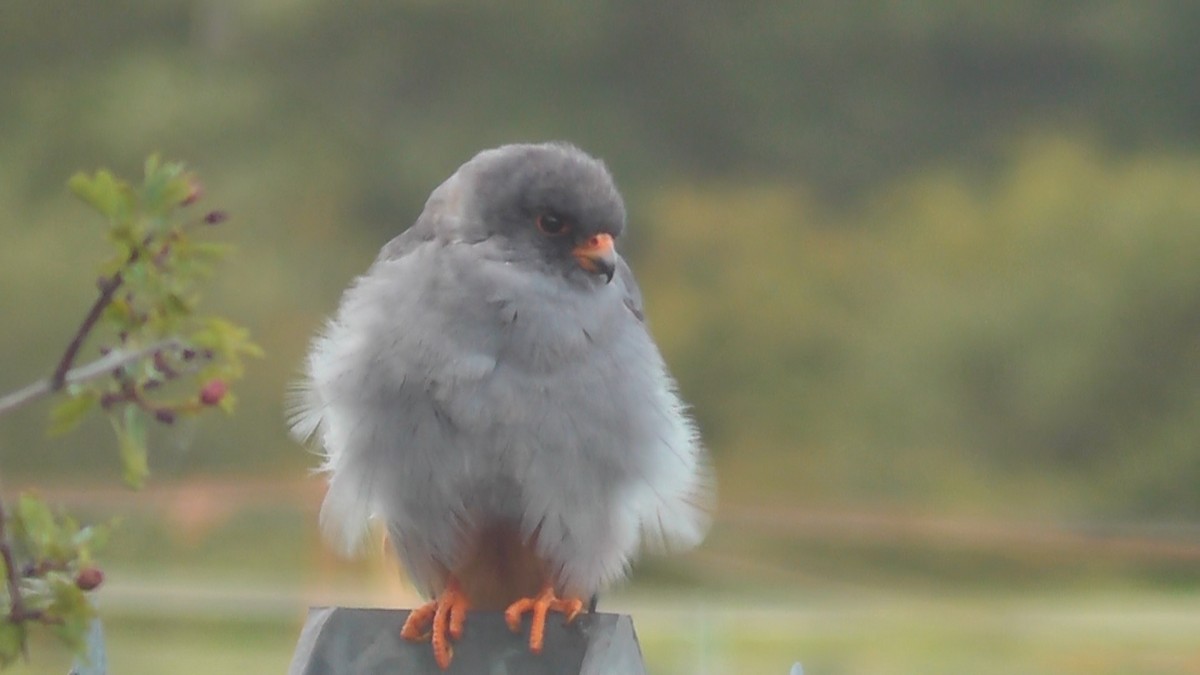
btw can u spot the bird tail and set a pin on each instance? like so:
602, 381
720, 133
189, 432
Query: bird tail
348, 501
347, 510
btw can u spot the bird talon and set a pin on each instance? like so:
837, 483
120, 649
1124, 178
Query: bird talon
439, 622
512, 615
539, 606
416, 627
572, 607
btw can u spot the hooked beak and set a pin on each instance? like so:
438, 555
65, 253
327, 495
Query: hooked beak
596, 255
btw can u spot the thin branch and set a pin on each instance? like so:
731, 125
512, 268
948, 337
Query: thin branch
98, 368
108, 287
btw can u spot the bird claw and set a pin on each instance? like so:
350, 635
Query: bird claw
416, 627
439, 622
539, 606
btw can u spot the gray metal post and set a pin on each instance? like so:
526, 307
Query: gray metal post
347, 641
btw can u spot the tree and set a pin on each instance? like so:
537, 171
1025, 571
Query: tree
157, 360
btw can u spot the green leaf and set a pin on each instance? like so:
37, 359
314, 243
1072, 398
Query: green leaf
137, 272
70, 605
119, 311
69, 412
43, 535
248, 348
175, 192
131, 437
177, 304
163, 188
216, 334
230, 342
35, 522
228, 403
73, 632
111, 196
127, 236
88, 540
81, 185
102, 191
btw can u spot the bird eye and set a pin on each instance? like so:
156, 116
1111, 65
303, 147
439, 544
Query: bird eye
551, 225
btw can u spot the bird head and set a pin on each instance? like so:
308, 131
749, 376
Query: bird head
551, 207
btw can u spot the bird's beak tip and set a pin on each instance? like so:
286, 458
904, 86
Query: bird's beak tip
598, 256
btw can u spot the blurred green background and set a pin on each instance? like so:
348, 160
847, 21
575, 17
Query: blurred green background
928, 271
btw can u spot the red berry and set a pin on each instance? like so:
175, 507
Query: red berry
213, 392
89, 578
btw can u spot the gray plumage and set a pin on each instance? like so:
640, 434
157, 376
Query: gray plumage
477, 374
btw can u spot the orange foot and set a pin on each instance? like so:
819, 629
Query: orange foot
445, 617
540, 605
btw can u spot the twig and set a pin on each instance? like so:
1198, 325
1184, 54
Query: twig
16, 608
107, 288
98, 368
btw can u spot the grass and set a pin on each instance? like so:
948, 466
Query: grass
145, 645
219, 588
1131, 632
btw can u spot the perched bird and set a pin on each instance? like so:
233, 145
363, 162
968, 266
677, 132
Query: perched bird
489, 390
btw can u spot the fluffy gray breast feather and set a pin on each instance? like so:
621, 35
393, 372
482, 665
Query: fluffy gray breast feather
455, 388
